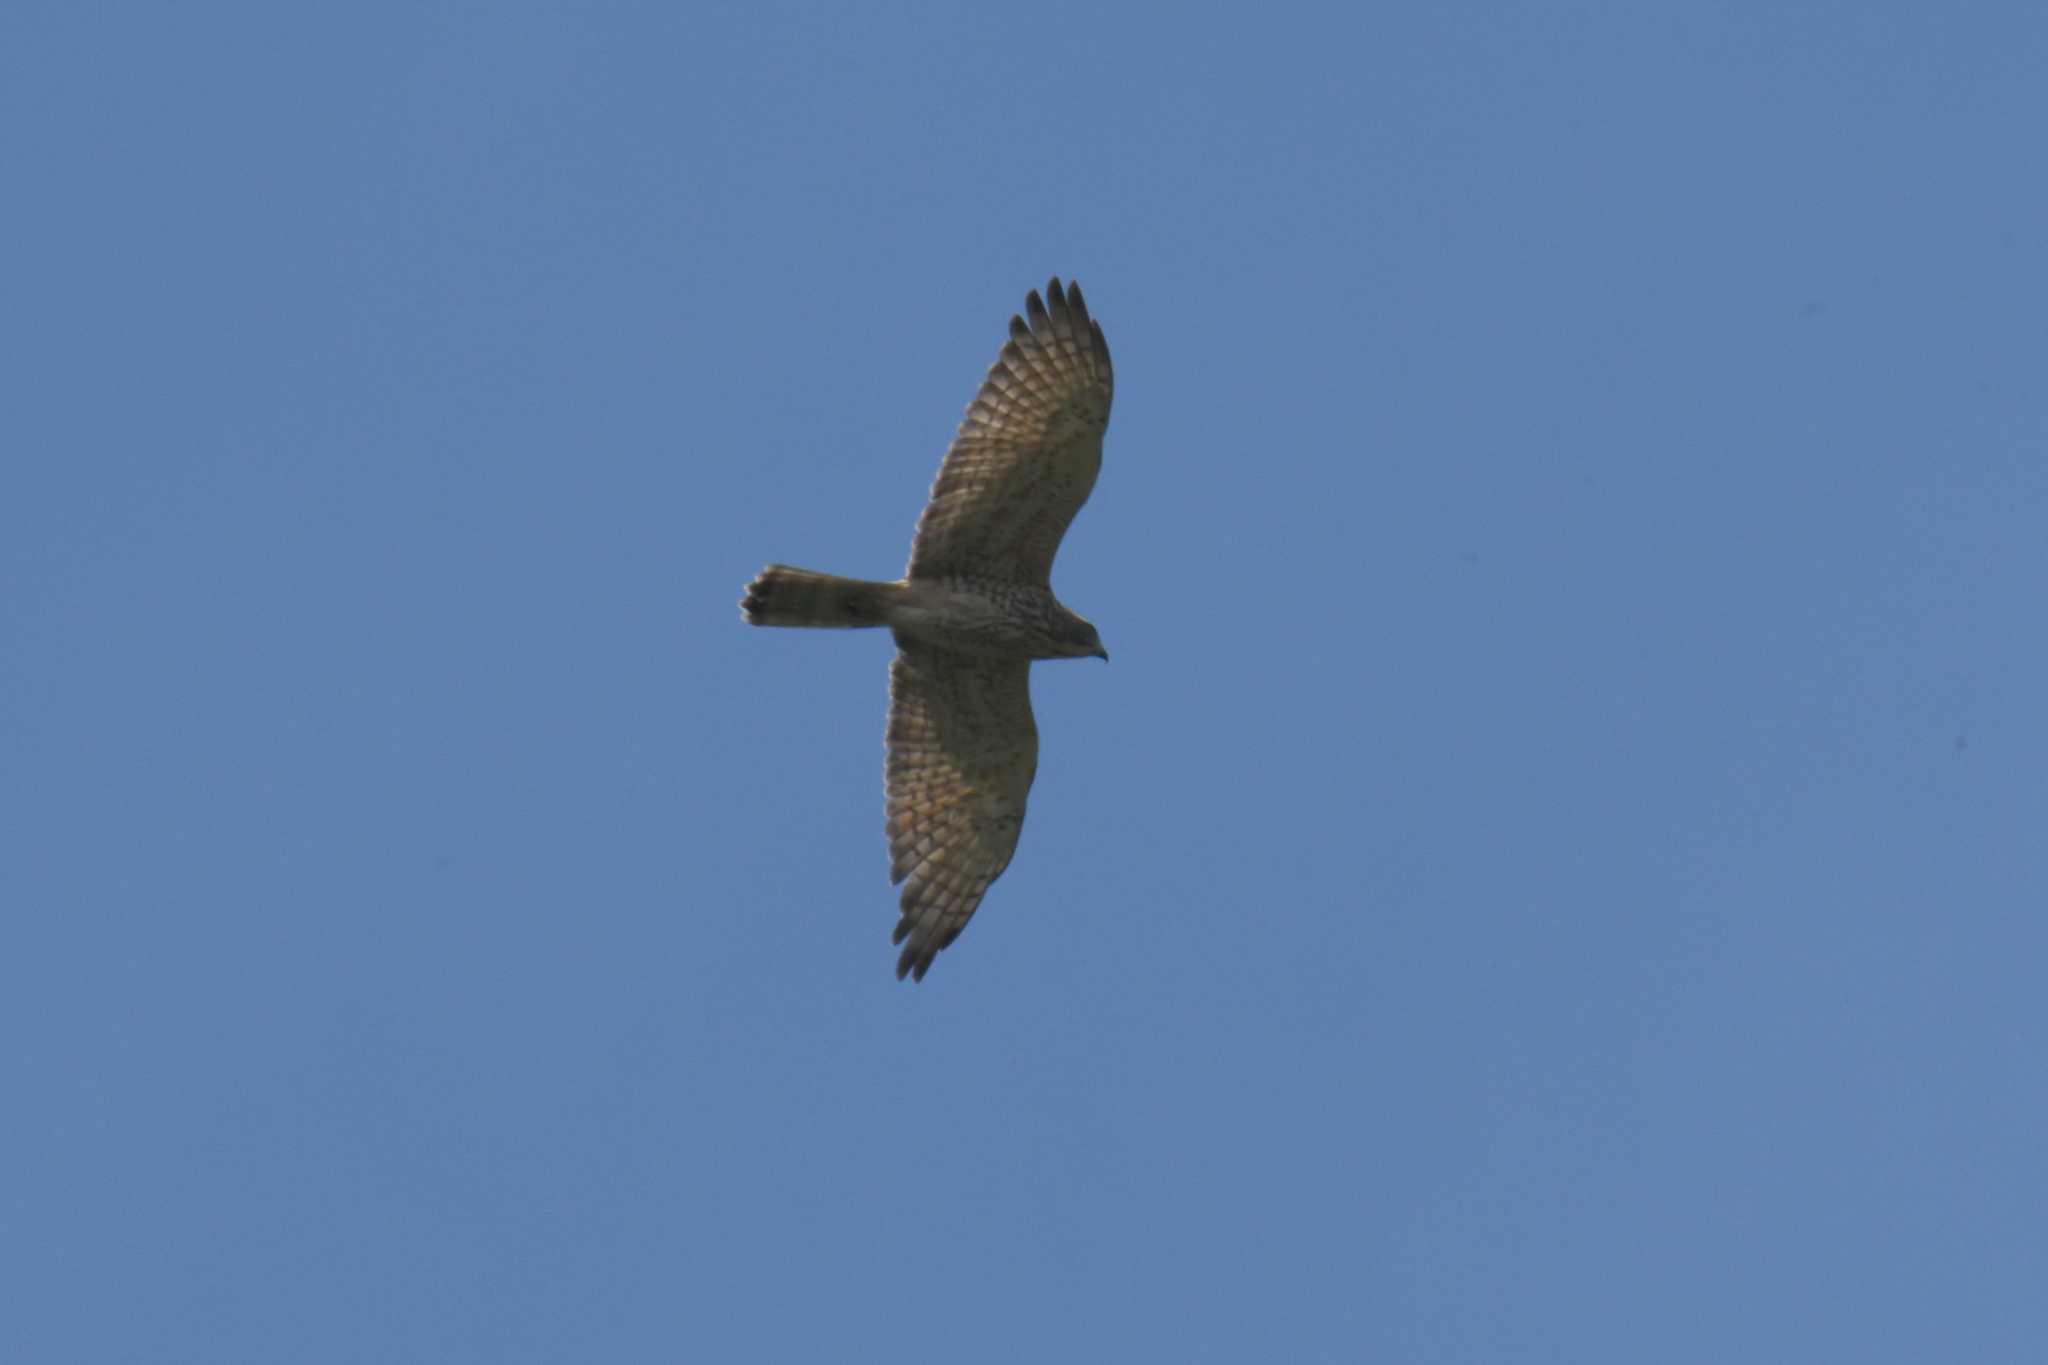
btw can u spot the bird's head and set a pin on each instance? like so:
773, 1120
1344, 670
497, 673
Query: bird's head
1077, 638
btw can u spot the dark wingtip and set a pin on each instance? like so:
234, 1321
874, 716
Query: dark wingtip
914, 963
917, 955
1078, 306
1061, 303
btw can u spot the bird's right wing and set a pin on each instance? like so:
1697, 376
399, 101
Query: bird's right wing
1026, 457
963, 748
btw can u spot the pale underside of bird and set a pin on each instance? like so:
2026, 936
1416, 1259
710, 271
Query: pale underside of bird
974, 609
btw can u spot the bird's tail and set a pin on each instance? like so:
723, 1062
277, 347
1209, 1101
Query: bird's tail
783, 596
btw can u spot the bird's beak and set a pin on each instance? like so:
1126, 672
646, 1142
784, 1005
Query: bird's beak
1102, 654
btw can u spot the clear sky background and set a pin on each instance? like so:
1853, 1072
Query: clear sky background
1555, 871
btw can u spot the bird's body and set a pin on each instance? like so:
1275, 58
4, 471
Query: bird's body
980, 616
974, 610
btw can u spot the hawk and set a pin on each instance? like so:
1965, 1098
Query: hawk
971, 613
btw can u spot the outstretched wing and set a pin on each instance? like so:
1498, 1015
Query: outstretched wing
1025, 458
963, 749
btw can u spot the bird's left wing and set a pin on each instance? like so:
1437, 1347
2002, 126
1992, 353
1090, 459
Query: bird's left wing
963, 748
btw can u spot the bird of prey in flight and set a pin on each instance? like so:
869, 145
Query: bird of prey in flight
970, 615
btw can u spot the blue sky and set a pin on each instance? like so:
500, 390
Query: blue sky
1556, 868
